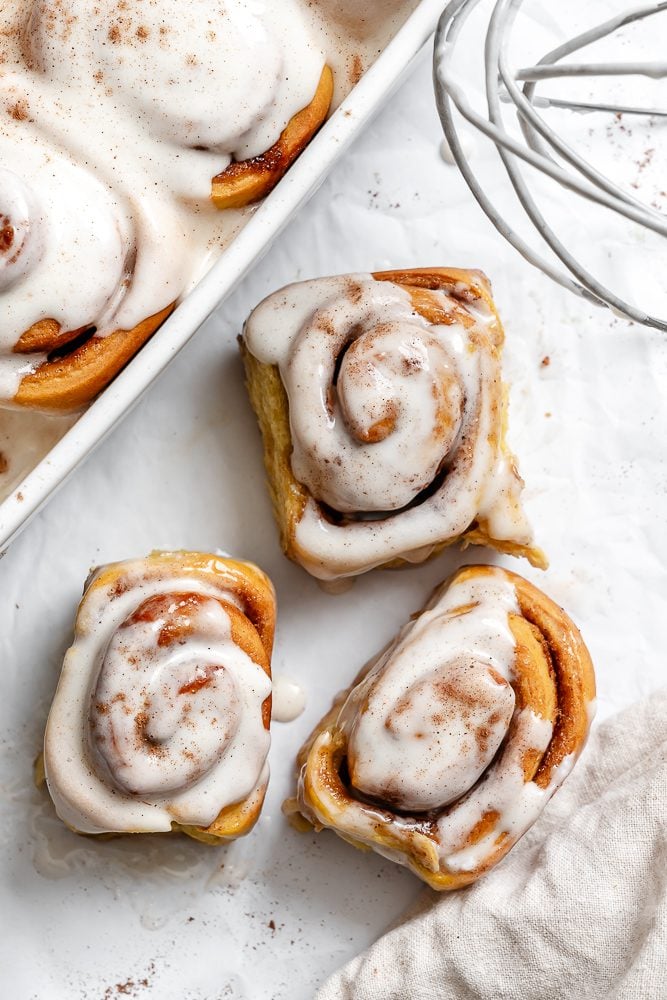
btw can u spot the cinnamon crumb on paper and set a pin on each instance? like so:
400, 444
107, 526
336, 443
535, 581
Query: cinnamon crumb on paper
355, 69
20, 111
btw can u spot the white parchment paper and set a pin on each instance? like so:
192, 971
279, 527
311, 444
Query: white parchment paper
273, 915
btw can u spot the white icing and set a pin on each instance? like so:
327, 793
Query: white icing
224, 76
446, 153
503, 790
397, 383
20, 245
418, 718
360, 19
467, 143
121, 695
429, 397
288, 699
519, 802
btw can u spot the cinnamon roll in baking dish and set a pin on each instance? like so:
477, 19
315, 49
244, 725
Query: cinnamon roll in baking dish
70, 315
122, 127
383, 412
161, 717
451, 742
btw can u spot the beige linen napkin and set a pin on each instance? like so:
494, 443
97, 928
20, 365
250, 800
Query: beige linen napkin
577, 909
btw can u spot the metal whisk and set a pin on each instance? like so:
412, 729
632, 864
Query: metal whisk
542, 147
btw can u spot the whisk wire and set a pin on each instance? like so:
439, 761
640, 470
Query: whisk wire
541, 141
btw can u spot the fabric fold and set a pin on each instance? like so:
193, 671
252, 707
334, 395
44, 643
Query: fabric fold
578, 909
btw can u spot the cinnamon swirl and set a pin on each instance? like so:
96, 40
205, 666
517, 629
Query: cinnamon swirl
383, 414
161, 717
451, 742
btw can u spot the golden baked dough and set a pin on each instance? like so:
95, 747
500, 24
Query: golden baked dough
246, 181
449, 743
73, 379
168, 675
466, 292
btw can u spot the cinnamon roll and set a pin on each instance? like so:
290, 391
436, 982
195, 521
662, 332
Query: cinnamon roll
113, 160
451, 742
67, 264
383, 413
161, 717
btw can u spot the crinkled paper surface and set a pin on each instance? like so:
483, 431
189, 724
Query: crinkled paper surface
271, 916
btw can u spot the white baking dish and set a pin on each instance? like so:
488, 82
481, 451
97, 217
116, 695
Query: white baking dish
296, 187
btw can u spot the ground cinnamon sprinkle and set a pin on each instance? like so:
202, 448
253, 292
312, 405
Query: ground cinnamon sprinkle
6, 234
19, 111
355, 69
130, 987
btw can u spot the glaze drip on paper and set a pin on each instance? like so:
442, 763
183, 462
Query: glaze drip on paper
288, 699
